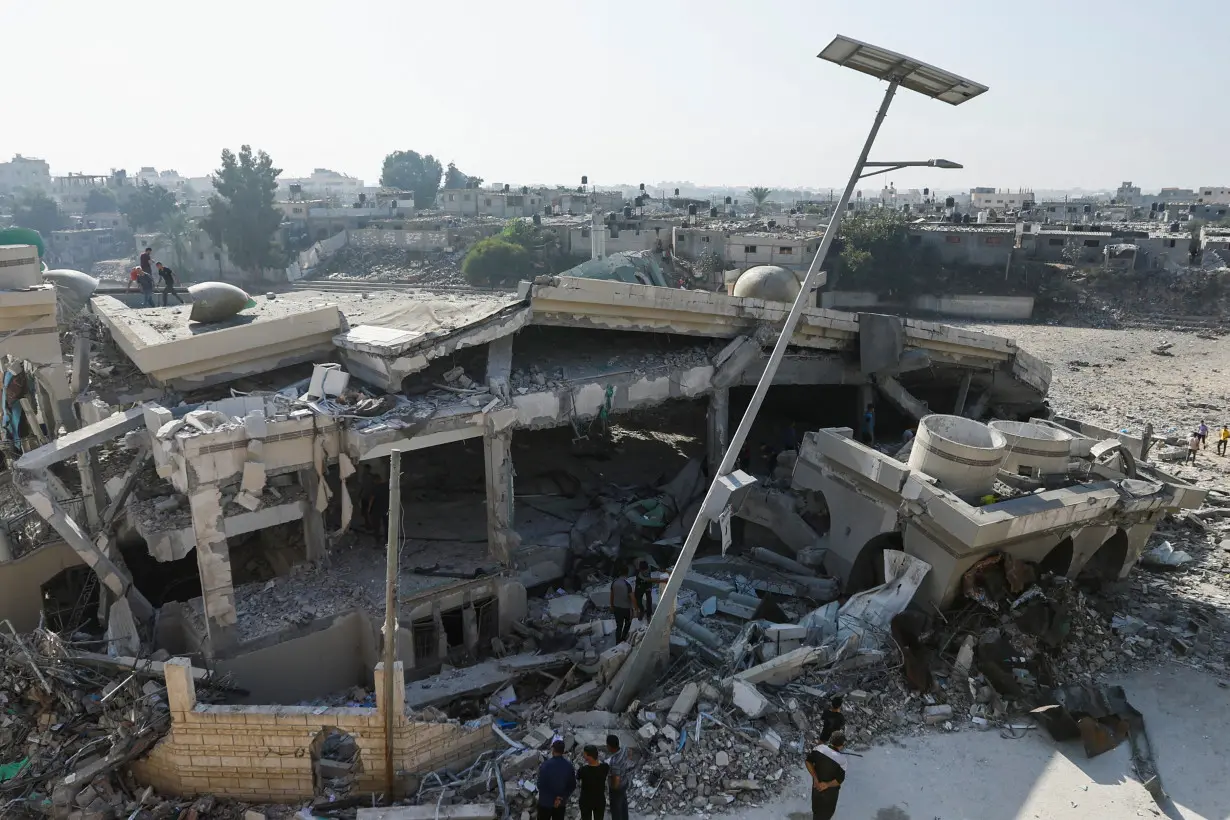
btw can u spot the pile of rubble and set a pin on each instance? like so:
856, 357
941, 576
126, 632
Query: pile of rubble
438, 269
70, 721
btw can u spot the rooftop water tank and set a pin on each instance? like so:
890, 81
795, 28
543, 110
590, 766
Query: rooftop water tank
963, 455
1034, 449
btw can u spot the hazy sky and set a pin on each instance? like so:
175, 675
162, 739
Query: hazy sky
1084, 93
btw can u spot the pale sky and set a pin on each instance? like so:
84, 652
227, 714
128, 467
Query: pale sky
1083, 93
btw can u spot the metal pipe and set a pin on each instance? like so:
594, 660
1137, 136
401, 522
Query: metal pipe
645, 652
390, 614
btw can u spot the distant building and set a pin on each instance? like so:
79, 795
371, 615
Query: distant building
1171, 196
1060, 246
987, 199
1212, 195
24, 172
1128, 194
479, 202
1209, 212
1062, 212
987, 246
71, 192
746, 249
323, 184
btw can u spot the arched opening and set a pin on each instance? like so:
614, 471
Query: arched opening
336, 763
1058, 561
868, 568
1105, 564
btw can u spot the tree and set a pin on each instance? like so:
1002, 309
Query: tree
100, 201
759, 195
411, 171
453, 178
177, 229
496, 261
541, 244
146, 206
241, 212
34, 209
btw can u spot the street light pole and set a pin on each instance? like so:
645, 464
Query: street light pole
655, 637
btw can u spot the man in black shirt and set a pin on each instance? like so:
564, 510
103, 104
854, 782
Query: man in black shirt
827, 767
168, 284
592, 776
644, 591
147, 262
832, 720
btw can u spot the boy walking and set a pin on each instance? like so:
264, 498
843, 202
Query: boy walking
168, 284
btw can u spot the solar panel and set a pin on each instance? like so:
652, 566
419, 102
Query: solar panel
913, 74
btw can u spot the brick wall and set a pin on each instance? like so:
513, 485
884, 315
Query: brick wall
262, 753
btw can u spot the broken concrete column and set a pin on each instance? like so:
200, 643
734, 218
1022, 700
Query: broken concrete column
682, 707
903, 399
441, 636
773, 559
499, 366
181, 688
399, 689
213, 560
962, 394
315, 544
53, 380
91, 488
469, 628
497, 459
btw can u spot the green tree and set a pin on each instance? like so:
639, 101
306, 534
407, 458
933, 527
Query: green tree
241, 212
411, 171
759, 195
146, 205
454, 178
34, 209
496, 261
177, 229
873, 253
100, 201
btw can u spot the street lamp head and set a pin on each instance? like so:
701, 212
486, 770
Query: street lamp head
944, 163
909, 73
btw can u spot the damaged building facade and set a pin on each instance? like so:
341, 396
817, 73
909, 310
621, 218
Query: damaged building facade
217, 482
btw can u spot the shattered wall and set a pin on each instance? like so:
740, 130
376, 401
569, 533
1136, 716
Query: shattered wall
263, 753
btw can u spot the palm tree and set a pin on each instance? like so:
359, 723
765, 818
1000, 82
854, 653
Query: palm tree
759, 194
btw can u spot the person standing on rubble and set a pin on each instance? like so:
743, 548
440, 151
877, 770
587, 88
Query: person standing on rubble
556, 782
1193, 444
617, 760
621, 605
1222, 439
644, 591
592, 776
827, 767
1203, 432
832, 720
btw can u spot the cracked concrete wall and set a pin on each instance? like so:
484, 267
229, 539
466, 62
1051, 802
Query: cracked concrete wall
21, 581
502, 539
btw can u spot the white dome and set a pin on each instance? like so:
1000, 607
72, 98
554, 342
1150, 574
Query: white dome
769, 282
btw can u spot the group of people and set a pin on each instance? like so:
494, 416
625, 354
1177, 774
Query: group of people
606, 781
600, 781
630, 601
143, 277
1199, 440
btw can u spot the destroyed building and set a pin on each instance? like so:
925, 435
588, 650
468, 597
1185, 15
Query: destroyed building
211, 495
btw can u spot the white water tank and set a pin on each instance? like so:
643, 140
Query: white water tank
963, 455
1034, 449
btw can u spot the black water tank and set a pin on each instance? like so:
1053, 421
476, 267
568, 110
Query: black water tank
584, 180
691, 210
713, 212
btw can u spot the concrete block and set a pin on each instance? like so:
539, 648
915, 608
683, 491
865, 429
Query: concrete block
567, 609
785, 632
610, 661
784, 668
647, 732
704, 586
770, 740
671, 734
748, 698
580, 698
937, 714
682, 708
589, 720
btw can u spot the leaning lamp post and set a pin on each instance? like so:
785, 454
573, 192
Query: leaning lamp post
899, 71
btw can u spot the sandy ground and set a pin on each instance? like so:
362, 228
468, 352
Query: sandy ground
973, 775
1109, 377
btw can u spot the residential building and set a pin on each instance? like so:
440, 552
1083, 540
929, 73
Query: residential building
1209, 212
1128, 194
1063, 212
987, 246
71, 192
984, 199
323, 184
1169, 196
480, 202
1213, 195
745, 249
24, 172
1060, 246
